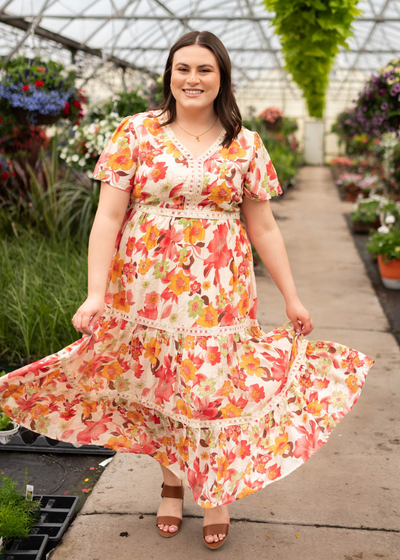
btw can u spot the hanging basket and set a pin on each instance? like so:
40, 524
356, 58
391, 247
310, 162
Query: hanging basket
274, 126
22, 116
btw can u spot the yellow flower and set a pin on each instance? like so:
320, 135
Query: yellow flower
183, 448
179, 283
315, 408
251, 365
116, 268
121, 160
281, 445
172, 149
231, 411
144, 266
195, 232
152, 350
117, 443
222, 469
120, 130
188, 370
233, 152
151, 236
209, 317
220, 193
206, 285
153, 126
351, 383
189, 342
183, 408
245, 492
110, 371
162, 458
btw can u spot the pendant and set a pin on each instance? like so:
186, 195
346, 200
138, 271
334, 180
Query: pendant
198, 139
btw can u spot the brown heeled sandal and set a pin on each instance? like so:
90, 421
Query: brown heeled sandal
217, 529
170, 492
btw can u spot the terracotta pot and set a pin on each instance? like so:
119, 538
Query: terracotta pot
365, 227
351, 196
22, 116
390, 272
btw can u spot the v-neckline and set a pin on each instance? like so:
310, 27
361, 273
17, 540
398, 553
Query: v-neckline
209, 151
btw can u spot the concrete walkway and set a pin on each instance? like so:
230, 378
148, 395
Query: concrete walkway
344, 503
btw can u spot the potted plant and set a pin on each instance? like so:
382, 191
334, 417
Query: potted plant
365, 215
7, 426
83, 148
340, 165
272, 118
39, 92
385, 245
349, 183
18, 515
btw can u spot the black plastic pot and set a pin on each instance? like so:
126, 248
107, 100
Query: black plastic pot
31, 548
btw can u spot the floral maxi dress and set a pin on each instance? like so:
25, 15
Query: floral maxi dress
177, 366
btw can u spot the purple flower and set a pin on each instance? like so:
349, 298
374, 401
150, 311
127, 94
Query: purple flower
385, 106
395, 89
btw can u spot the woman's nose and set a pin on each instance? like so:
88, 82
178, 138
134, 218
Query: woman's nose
193, 78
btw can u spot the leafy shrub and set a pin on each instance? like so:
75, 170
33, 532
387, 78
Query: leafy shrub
17, 514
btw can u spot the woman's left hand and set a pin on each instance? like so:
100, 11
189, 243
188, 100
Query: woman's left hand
299, 317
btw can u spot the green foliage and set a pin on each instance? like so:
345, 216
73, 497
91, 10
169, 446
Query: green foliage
17, 514
53, 74
385, 243
124, 103
311, 32
55, 205
5, 422
43, 281
366, 211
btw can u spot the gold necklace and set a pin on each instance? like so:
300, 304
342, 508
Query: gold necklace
197, 136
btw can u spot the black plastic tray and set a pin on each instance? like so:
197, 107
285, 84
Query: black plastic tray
26, 440
31, 548
56, 513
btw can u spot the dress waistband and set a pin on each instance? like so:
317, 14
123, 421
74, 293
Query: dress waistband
186, 212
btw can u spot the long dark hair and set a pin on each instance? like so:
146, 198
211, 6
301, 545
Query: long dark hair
225, 104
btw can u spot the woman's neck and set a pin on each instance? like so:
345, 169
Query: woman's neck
195, 118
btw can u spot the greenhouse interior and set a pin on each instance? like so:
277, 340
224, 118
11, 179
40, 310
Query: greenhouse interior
318, 81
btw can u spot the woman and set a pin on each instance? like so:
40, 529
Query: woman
173, 363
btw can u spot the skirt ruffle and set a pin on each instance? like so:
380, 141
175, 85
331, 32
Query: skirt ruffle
228, 414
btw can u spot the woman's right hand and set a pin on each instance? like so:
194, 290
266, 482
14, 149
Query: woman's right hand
88, 314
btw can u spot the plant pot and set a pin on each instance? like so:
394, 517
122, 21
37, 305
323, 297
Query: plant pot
6, 435
31, 548
22, 116
365, 227
274, 126
351, 196
390, 272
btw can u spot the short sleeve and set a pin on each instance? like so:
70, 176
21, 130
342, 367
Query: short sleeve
118, 161
261, 182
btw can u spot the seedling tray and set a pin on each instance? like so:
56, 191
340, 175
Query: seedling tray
56, 513
31, 548
26, 440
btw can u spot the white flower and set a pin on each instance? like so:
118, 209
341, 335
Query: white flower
82, 162
75, 157
383, 229
390, 219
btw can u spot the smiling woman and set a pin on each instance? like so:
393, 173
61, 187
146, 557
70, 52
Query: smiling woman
174, 363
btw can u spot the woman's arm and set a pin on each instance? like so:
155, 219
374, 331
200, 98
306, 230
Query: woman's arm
110, 213
265, 235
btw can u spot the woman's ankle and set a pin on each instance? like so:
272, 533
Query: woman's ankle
169, 478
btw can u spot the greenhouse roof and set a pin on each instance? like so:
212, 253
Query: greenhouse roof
137, 34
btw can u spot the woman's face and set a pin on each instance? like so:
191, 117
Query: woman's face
195, 77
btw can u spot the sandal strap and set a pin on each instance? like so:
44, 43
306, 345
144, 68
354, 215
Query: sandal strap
166, 520
217, 529
172, 491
